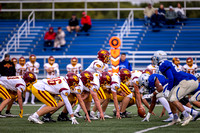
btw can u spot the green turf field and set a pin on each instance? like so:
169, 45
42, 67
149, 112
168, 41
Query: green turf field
126, 125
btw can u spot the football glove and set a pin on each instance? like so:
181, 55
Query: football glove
21, 113
147, 117
74, 120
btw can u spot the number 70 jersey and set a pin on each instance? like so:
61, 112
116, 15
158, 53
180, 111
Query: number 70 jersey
53, 86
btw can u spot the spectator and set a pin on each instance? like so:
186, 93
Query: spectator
85, 22
148, 12
7, 67
73, 24
60, 38
171, 17
161, 10
123, 63
180, 13
157, 20
49, 38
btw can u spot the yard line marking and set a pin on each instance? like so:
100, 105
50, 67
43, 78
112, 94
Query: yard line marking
152, 128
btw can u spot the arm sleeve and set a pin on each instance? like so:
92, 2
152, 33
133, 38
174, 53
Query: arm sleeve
129, 66
67, 103
170, 77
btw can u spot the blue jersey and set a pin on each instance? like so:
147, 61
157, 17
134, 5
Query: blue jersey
175, 76
152, 79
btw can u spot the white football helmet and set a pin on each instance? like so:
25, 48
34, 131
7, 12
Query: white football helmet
197, 75
159, 56
143, 80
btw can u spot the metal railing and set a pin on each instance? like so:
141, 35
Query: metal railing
126, 27
22, 30
31, 20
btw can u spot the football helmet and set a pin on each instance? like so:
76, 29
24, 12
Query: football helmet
29, 77
72, 79
51, 60
124, 75
32, 58
105, 79
74, 61
148, 71
22, 61
143, 80
159, 56
86, 78
14, 60
176, 61
189, 61
104, 56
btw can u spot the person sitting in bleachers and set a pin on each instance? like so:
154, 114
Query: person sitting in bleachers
157, 21
60, 38
49, 38
73, 24
148, 12
161, 11
171, 17
180, 13
85, 22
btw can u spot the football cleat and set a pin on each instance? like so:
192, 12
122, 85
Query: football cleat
31, 118
2, 116
186, 120
168, 119
177, 121
77, 114
47, 119
93, 117
196, 117
107, 116
33, 103
10, 115
124, 115
25, 103
63, 118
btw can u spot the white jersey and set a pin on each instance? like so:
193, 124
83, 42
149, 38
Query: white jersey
33, 67
20, 70
152, 68
180, 68
135, 77
54, 73
13, 83
75, 69
53, 86
191, 70
115, 84
97, 66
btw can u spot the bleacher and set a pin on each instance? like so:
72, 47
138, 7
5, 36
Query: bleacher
141, 38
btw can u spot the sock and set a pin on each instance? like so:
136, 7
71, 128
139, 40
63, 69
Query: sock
0, 112
64, 114
32, 98
48, 115
27, 96
88, 112
175, 116
185, 114
77, 108
165, 103
92, 112
190, 110
7, 111
44, 105
36, 115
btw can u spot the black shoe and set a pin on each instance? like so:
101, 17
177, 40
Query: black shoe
63, 118
124, 115
181, 116
47, 119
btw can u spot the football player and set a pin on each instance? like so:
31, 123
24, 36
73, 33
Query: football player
11, 87
14, 60
189, 67
52, 68
32, 66
152, 67
45, 89
179, 85
105, 93
176, 61
74, 67
21, 67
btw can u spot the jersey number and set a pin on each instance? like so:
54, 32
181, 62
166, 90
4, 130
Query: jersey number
54, 81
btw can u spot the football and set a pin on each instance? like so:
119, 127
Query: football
141, 112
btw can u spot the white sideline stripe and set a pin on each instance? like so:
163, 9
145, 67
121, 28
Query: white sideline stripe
152, 128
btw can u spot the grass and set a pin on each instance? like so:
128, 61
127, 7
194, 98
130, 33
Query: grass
126, 125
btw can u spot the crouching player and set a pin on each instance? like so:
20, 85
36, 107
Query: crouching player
45, 89
11, 88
